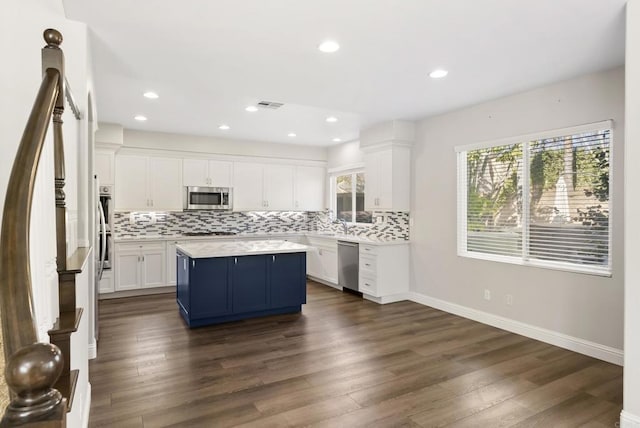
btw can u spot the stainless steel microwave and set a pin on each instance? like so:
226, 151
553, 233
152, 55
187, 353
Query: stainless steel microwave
207, 198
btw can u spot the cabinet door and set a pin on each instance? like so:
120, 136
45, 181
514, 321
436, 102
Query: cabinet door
153, 268
171, 263
104, 166
182, 288
127, 270
131, 183
106, 282
194, 172
212, 296
249, 283
329, 259
220, 173
314, 264
278, 187
371, 181
309, 186
385, 180
287, 279
247, 187
165, 183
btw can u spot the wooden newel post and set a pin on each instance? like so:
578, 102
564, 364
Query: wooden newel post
32, 369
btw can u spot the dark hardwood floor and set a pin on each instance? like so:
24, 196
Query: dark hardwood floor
342, 362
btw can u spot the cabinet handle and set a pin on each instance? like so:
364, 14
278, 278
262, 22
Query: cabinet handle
184, 264
235, 260
273, 259
193, 263
367, 264
142, 258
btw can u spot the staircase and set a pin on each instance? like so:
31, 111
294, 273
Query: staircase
38, 375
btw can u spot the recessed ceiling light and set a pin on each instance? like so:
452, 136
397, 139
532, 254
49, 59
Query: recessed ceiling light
329, 46
224, 127
437, 74
337, 140
291, 134
251, 109
151, 95
332, 119
140, 118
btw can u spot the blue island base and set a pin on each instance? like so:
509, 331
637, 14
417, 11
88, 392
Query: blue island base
236, 317
220, 289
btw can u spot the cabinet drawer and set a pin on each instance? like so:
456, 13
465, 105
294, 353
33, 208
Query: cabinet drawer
368, 249
367, 285
133, 246
368, 264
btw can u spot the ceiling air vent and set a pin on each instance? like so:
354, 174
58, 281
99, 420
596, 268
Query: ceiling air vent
270, 104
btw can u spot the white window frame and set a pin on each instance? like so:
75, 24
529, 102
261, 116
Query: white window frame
524, 260
333, 174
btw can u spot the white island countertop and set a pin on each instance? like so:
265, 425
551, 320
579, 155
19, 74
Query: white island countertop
206, 249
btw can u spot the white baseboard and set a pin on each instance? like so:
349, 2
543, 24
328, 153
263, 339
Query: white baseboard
93, 349
627, 420
87, 407
592, 349
388, 299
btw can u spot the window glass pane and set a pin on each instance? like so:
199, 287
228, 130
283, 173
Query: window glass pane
362, 216
569, 198
494, 200
344, 197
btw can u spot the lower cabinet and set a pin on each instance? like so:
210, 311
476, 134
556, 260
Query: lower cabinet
384, 272
139, 265
220, 289
323, 263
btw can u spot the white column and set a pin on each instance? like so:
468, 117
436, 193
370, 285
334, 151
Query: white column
630, 416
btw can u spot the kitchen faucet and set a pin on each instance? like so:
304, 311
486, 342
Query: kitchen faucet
344, 224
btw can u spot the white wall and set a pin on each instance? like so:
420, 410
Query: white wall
22, 26
196, 144
589, 308
631, 413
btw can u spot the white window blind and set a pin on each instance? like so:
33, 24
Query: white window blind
541, 201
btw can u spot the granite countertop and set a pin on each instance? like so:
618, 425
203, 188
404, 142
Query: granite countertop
262, 235
200, 250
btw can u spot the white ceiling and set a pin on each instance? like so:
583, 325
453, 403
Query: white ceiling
209, 59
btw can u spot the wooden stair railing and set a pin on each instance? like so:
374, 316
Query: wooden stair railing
38, 374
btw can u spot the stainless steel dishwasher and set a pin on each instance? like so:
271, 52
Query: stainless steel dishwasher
348, 265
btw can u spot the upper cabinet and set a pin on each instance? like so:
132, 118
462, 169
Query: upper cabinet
387, 178
208, 173
105, 160
262, 187
387, 165
148, 183
309, 188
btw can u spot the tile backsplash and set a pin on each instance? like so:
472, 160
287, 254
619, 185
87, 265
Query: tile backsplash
393, 225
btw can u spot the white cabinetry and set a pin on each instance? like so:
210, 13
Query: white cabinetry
262, 187
106, 282
148, 183
105, 165
139, 265
384, 272
171, 261
323, 263
203, 172
387, 178
309, 188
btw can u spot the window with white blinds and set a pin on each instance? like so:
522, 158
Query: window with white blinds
539, 200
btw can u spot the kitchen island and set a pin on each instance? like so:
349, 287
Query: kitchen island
233, 280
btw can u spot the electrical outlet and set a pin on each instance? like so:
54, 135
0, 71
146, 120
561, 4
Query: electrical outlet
508, 299
487, 294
